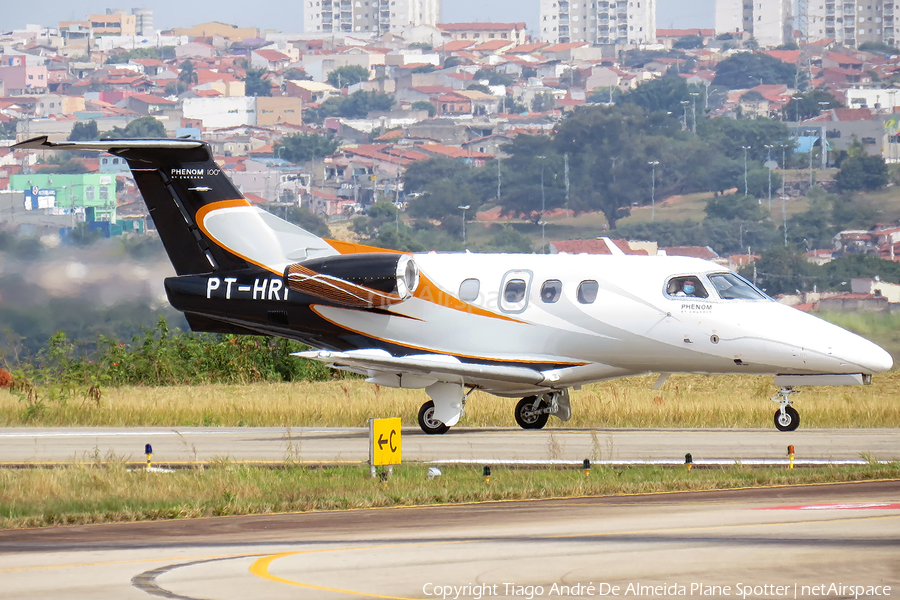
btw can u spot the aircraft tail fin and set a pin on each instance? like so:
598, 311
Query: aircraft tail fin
204, 222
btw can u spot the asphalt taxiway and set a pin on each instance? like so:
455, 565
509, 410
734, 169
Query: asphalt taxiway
317, 445
803, 542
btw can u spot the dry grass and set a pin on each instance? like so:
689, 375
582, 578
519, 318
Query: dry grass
108, 492
684, 401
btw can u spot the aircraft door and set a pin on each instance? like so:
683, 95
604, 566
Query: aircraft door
514, 291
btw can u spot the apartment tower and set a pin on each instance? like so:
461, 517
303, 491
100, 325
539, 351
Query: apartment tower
374, 17
603, 22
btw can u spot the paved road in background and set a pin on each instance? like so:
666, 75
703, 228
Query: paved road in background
826, 535
22, 445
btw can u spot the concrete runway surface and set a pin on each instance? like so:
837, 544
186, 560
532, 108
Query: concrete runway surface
829, 541
185, 444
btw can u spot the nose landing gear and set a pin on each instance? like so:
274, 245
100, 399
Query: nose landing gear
786, 417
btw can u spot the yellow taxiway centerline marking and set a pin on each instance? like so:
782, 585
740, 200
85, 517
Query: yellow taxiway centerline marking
260, 567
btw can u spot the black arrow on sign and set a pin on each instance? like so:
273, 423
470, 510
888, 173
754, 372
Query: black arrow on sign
381, 441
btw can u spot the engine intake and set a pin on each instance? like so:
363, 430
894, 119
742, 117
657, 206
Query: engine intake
356, 280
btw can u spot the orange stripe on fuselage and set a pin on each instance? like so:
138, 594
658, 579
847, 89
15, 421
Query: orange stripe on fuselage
427, 289
315, 309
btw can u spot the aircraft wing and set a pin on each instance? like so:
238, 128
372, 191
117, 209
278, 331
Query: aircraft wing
438, 367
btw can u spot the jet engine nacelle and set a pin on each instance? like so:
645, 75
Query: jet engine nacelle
356, 280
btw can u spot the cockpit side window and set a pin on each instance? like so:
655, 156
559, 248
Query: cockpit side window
687, 286
734, 287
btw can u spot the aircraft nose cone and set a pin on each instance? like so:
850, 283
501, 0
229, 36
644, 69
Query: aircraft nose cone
876, 359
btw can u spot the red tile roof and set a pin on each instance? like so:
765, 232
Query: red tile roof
595, 246
454, 46
453, 151
704, 252
563, 47
151, 99
272, 55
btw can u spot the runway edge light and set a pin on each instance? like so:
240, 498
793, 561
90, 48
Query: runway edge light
487, 474
688, 461
148, 450
587, 468
791, 456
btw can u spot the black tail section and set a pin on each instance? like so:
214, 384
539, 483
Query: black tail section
177, 178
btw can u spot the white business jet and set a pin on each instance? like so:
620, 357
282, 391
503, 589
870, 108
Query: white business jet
522, 326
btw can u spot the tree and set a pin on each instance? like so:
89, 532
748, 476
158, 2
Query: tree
479, 88
758, 183
426, 106
735, 206
862, 173
542, 102
348, 75
809, 105
296, 74
688, 42
493, 77
508, 241
145, 127
780, 270
256, 82
66, 166
305, 218
879, 47
82, 131
187, 75
303, 147
749, 69
664, 94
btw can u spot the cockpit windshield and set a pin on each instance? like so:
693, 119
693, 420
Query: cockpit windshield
733, 287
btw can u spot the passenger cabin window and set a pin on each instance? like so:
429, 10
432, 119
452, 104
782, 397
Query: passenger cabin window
514, 292
734, 287
468, 290
551, 291
587, 291
686, 287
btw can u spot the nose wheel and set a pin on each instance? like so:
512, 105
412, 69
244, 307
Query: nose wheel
786, 417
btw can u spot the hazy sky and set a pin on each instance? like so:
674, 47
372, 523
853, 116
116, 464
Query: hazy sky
285, 15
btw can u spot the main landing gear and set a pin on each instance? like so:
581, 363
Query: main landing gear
786, 417
533, 412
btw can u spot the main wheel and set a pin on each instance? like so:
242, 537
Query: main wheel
428, 423
525, 415
789, 421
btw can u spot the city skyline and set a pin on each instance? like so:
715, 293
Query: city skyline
286, 15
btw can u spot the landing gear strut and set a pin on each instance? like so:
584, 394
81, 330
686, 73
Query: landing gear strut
533, 412
786, 417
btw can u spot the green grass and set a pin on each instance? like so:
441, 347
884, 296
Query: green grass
108, 492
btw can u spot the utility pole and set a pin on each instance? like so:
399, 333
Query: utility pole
566, 170
745, 168
694, 112
653, 164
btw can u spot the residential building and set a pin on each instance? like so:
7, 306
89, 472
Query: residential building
113, 24
483, 32
278, 110
231, 33
373, 17
769, 21
605, 22
852, 22
24, 80
728, 16
143, 21
86, 196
